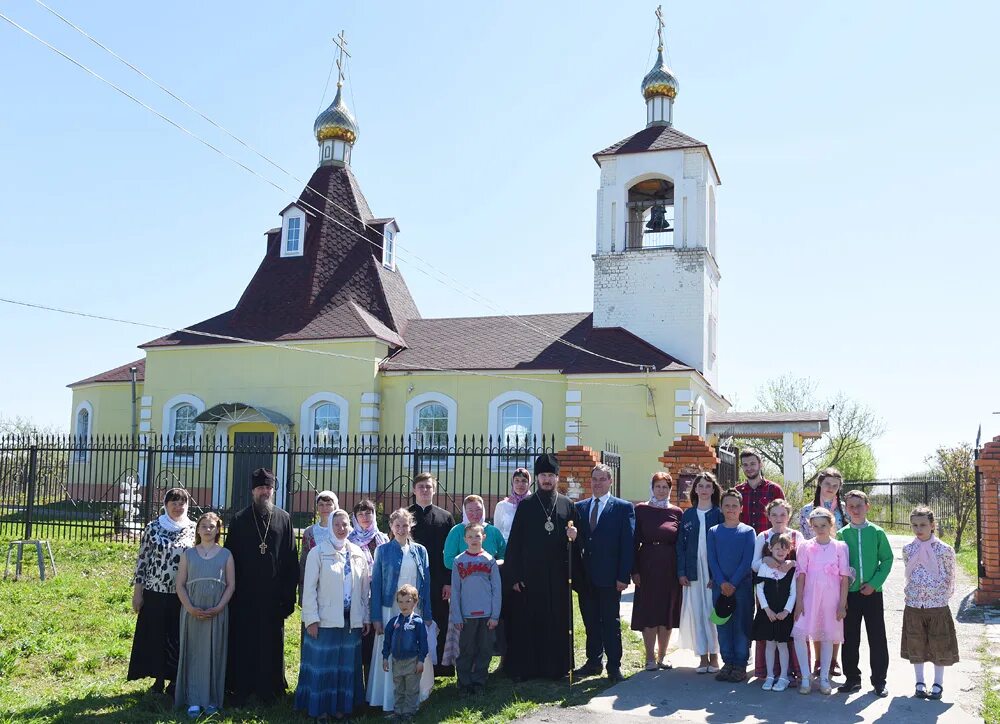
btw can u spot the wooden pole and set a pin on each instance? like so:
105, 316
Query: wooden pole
569, 549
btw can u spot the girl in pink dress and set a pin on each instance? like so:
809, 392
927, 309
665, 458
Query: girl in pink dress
821, 603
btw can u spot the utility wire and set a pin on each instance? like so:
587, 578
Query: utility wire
293, 348
408, 255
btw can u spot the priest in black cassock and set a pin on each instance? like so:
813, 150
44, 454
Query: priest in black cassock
431, 526
262, 543
536, 564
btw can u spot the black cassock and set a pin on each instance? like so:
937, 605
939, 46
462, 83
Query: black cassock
264, 598
430, 529
538, 627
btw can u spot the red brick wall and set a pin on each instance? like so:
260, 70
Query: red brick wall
989, 468
686, 455
577, 462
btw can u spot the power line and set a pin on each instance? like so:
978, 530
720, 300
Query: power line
408, 255
293, 348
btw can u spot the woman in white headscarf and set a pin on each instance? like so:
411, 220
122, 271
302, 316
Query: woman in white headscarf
335, 614
156, 643
326, 503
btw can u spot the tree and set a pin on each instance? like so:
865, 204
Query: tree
853, 425
858, 464
956, 467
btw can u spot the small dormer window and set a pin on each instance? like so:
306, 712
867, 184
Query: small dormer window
293, 227
389, 250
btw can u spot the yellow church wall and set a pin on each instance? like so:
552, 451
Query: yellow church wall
277, 379
472, 395
112, 407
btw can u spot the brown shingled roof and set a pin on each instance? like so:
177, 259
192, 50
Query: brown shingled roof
312, 296
118, 374
505, 343
656, 138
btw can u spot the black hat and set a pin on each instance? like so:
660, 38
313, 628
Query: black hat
547, 463
261, 476
724, 608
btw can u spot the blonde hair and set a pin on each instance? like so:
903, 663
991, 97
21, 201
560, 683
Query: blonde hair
922, 510
474, 526
474, 499
778, 503
409, 591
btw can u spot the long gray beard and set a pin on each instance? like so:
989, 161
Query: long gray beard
263, 507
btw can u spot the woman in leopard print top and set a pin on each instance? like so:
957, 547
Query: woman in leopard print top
156, 643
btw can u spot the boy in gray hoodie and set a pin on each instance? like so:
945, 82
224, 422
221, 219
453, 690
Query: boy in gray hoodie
475, 609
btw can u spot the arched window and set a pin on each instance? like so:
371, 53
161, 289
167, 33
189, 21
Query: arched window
431, 432
83, 425
430, 423
324, 422
515, 427
326, 430
651, 214
183, 431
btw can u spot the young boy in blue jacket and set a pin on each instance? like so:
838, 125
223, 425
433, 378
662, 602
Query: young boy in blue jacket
406, 642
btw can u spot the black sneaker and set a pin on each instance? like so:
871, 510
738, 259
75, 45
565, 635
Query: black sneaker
588, 669
724, 672
880, 691
849, 687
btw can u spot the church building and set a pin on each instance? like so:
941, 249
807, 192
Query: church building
640, 369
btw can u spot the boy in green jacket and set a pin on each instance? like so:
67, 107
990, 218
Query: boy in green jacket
871, 559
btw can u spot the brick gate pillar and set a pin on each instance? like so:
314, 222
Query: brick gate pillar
988, 465
685, 459
575, 464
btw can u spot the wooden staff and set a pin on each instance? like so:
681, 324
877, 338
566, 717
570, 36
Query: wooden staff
569, 549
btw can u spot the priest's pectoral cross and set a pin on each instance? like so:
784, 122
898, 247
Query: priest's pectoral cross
262, 547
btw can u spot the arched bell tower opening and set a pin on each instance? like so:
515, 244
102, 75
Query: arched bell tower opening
650, 220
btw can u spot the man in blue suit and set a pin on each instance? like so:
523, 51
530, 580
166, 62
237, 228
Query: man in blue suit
607, 527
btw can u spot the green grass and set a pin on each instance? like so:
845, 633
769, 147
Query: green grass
991, 697
65, 644
968, 560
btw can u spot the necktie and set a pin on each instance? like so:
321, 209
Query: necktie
593, 513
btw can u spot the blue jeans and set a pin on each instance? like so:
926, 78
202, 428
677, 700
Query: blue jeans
734, 635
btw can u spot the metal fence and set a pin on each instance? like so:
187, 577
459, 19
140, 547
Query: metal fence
892, 500
110, 487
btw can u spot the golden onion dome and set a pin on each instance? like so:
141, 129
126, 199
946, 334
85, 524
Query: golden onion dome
336, 121
659, 81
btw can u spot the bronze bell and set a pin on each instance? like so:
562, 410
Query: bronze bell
658, 219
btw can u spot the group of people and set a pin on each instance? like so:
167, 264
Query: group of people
383, 614
729, 570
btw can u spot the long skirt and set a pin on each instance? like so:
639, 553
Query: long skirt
156, 643
330, 673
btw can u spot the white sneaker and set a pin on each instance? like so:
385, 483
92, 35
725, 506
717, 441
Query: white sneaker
768, 683
780, 685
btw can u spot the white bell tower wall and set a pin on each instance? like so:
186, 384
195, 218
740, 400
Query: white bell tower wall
666, 293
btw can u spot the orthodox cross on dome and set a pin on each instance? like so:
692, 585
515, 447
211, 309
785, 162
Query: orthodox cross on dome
659, 27
341, 42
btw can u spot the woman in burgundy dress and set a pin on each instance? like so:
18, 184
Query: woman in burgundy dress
657, 606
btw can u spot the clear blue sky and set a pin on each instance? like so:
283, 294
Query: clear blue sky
856, 141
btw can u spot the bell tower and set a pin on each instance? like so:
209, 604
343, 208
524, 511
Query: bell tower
655, 266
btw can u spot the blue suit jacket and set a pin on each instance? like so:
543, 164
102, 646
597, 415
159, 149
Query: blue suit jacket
608, 551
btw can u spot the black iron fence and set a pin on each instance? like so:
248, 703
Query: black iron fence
611, 457
110, 487
892, 500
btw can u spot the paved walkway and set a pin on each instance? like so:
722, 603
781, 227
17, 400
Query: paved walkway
680, 695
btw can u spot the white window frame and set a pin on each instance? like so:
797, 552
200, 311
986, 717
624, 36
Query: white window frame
293, 212
168, 426
493, 420
307, 421
83, 455
389, 249
426, 398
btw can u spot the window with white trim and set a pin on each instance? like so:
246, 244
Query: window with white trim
183, 431
389, 250
82, 434
515, 425
293, 232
